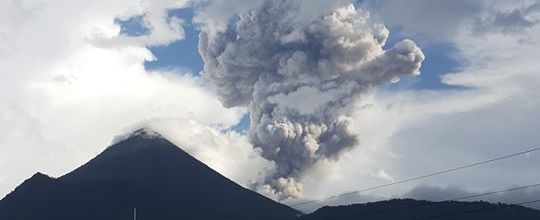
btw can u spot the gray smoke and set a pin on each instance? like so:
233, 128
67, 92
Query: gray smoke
299, 77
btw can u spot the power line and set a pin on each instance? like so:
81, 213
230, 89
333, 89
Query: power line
492, 103
496, 102
447, 200
390, 184
419, 177
477, 210
492, 193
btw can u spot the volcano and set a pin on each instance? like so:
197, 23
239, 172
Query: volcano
147, 173
144, 171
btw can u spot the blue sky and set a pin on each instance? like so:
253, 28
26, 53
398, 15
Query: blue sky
183, 54
441, 58
84, 75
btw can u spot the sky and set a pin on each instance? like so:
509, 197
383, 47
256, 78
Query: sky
76, 75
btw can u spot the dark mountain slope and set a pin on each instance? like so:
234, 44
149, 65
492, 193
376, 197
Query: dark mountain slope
143, 171
165, 183
34, 192
408, 209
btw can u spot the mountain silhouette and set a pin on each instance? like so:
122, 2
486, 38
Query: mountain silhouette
163, 182
409, 209
144, 171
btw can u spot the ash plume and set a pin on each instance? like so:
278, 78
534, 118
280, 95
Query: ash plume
299, 78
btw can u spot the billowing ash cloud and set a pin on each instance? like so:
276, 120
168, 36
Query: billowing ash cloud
299, 78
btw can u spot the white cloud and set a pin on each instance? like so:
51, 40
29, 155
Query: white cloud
64, 94
415, 132
515, 194
63, 97
442, 20
227, 152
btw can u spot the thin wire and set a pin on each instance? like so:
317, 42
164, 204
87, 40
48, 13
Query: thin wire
448, 200
489, 104
492, 193
388, 184
418, 177
493, 103
477, 210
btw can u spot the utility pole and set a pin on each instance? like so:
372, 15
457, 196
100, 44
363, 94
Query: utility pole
134, 213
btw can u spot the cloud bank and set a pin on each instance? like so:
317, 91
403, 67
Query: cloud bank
71, 81
437, 193
69, 85
409, 132
299, 77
